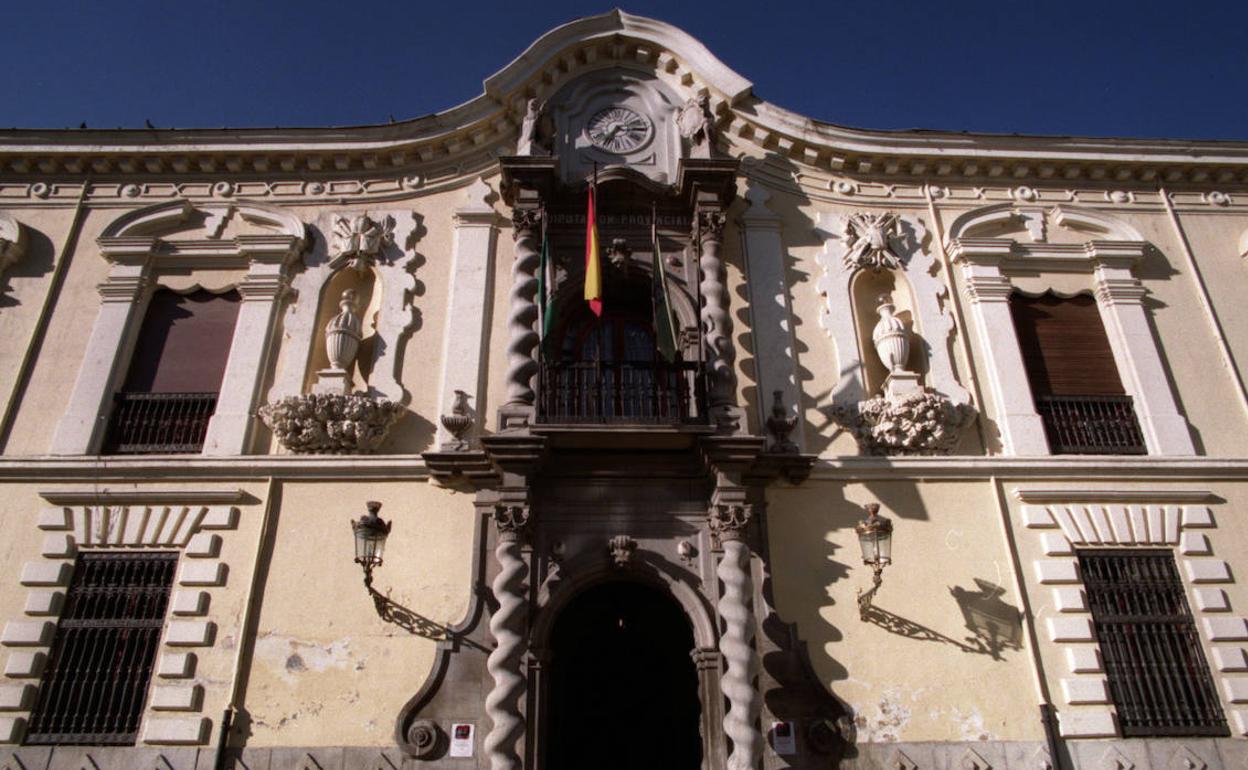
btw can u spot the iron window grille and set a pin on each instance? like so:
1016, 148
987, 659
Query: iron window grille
1158, 678
95, 684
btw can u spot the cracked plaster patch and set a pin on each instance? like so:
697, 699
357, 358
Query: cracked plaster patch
892, 714
292, 657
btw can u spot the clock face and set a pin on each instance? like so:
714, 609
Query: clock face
618, 130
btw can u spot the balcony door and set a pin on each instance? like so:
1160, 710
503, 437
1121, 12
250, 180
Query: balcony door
607, 370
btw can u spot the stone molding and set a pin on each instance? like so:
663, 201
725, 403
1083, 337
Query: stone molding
1109, 257
133, 245
1128, 518
152, 519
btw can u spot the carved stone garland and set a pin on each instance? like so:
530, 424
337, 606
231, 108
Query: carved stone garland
729, 521
507, 624
332, 419
517, 412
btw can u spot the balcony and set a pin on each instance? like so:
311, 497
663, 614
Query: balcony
621, 393
159, 423
1091, 425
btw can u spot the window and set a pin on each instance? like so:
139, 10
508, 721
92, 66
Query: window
1073, 376
179, 360
96, 681
1158, 677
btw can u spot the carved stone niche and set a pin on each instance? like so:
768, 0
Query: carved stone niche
885, 307
346, 396
616, 118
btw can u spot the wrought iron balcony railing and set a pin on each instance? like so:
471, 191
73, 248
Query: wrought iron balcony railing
636, 393
1091, 425
159, 423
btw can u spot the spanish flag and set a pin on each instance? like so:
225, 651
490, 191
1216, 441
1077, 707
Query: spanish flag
593, 266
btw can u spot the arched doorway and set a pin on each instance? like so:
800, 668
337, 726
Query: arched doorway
623, 687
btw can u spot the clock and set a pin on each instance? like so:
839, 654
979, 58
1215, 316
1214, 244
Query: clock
618, 130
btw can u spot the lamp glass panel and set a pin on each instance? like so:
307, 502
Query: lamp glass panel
884, 548
869, 546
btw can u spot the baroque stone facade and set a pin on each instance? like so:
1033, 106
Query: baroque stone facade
603, 550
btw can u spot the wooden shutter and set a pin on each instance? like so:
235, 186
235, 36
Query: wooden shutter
184, 342
1064, 346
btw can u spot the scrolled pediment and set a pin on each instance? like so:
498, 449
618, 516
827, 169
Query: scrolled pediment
203, 232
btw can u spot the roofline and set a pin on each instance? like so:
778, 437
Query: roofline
488, 123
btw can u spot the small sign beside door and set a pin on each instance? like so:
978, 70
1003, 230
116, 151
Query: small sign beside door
783, 739
461, 739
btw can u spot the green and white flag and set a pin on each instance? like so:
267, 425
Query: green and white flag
664, 329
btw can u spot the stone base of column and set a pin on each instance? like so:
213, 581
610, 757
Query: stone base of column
728, 419
515, 417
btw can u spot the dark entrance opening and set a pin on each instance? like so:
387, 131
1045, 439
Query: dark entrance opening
623, 687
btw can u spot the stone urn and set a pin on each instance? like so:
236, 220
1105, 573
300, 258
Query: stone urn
342, 334
892, 342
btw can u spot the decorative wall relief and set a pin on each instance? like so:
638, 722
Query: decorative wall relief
920, 406
366, 269
331, 423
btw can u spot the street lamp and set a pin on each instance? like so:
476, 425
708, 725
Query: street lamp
875, 537
371, 532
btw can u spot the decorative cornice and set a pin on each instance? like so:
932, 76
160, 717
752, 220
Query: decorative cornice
489, 124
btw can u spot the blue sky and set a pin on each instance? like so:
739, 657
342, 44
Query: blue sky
1142, 69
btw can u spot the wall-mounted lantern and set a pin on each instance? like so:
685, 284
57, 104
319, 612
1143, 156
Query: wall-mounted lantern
875, 536
371, 532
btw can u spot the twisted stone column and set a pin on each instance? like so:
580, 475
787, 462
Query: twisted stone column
716, 321
736, 608
505, 663
522, 335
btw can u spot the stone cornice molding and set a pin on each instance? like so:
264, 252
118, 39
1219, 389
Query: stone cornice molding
1114, 245
135, 237
489, 123
142, 496
1057, 495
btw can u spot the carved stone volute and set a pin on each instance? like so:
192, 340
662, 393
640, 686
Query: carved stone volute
729, 520
511, 520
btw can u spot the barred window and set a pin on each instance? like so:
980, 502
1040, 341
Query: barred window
96, 680
1158, 677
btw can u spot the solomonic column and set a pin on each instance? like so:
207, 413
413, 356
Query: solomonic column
729, 520
522, 319
507, 627
716, 320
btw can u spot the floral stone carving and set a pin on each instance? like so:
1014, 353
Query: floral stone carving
917, 422
331, 423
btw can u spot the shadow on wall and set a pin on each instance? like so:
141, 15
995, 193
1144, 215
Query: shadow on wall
994, 625
753, 402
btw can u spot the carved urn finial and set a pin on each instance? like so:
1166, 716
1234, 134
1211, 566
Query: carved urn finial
892, 342
342, 334
457, 423
780, 424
